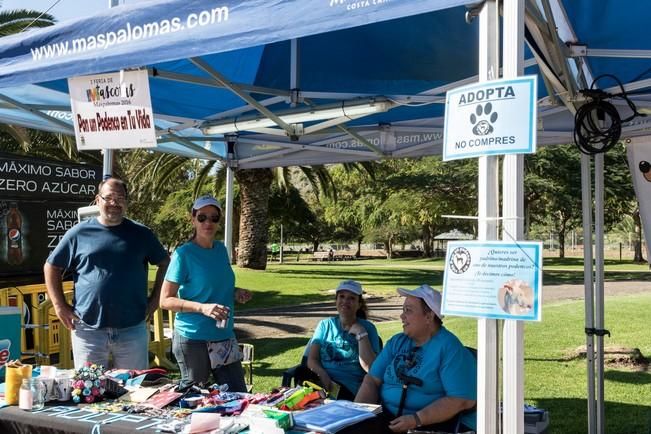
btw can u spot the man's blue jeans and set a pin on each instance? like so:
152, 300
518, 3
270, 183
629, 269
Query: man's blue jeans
128, 346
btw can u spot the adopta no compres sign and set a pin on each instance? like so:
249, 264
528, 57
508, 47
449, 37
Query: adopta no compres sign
495, 117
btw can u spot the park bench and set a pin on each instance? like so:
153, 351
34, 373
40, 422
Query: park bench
320, 256
344, 255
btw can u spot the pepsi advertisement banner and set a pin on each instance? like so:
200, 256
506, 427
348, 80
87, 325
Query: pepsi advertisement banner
38, 204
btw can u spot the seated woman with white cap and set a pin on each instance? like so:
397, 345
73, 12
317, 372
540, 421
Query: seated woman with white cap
344, 347
424, 377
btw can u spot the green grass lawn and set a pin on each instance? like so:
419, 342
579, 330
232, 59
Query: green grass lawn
293, 283
552, 380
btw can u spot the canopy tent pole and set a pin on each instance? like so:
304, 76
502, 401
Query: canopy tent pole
513, 226
586, 198
488, 209
108, 154
294, 72
599, 285
228, 219
230, 175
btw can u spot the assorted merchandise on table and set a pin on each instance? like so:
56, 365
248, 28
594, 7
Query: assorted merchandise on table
104, 397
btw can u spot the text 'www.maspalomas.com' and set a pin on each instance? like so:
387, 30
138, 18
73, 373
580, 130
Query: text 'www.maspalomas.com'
130, 33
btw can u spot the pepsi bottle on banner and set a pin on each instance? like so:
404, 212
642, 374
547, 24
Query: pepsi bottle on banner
14, 235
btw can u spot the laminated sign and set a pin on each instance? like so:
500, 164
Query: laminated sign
493, 279
112, 111
491, 118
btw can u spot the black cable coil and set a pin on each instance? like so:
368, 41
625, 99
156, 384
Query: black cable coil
597, 124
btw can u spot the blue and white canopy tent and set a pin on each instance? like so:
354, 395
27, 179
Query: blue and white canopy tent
267, 84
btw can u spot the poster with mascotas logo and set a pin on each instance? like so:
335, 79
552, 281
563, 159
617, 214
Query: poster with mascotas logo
491, 118
112, 110
493, 279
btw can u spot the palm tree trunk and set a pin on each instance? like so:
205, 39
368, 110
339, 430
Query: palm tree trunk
255, 187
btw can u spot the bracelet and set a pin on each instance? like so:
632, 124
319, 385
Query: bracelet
417, 419
361, 336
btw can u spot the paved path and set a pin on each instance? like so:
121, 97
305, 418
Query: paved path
301, 320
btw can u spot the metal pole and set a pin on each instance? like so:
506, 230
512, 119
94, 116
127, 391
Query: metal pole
586, 199
513, 226
108, 154
281, 244
599, 284
107, 162
488, 208
228, 218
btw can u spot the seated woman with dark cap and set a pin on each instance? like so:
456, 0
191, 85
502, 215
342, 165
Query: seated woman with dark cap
343, 347
424, 377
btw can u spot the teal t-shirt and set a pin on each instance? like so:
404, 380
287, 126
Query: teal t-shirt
204, 276
446, 367
339, 351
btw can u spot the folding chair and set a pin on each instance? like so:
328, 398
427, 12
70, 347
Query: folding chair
248, 352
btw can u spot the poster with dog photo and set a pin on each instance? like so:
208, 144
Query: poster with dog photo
493, 279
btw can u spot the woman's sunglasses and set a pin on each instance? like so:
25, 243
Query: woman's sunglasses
202, 218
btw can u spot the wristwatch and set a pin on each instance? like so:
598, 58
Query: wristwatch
417, 419
361, 336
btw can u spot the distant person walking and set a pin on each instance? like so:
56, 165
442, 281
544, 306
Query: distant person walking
275, 249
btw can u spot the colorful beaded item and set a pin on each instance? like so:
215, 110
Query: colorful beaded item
88, 384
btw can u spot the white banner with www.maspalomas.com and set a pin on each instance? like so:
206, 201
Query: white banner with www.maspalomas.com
112, 111
491, 118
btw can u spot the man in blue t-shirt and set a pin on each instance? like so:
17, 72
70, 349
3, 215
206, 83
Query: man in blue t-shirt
108, 257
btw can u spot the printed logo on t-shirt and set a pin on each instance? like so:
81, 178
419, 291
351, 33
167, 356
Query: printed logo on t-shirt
342, 350
407, 363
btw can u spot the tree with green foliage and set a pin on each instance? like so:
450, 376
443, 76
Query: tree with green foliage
288, 208
553, 189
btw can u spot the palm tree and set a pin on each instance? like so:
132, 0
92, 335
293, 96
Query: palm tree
15, 138
17, 20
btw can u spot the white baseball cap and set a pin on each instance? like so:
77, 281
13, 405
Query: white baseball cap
431, 296
350, 285
206, 200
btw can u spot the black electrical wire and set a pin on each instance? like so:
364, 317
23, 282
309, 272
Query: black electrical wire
597, 124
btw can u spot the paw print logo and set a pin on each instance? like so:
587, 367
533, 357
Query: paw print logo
483, 127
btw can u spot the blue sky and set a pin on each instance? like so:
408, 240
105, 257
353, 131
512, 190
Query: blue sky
64, 9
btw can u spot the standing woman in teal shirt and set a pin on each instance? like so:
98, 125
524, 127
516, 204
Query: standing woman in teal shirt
200, 287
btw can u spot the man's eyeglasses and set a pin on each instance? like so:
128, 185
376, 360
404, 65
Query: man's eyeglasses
202, 218
114, 199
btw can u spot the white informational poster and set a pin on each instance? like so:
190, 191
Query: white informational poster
491, 118
639, 162
112, 111
493, 279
